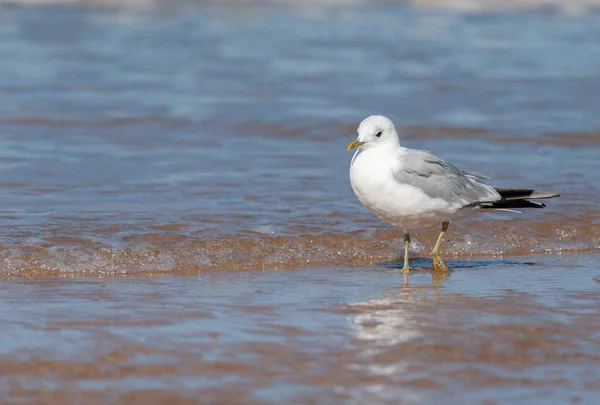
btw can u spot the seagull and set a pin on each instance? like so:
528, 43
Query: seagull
414, 189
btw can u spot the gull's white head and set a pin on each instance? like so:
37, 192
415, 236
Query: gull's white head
375, 131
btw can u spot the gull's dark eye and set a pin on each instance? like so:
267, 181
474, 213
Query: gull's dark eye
378, 134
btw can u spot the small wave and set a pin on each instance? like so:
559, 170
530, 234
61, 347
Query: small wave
168, 249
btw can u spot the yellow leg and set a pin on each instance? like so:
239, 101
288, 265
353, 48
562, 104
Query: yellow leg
406, 268
438, 263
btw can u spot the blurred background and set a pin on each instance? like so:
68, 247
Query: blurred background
166, 135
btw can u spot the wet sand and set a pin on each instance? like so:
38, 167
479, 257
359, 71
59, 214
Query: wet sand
521, 330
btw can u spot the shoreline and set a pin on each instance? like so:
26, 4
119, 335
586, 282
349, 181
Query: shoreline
422, 265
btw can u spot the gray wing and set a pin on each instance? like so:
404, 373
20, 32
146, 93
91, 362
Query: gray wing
440, 179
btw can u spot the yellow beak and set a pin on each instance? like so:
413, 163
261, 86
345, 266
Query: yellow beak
355, 144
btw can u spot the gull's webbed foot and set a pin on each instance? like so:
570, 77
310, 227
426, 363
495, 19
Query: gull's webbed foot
405, 269
439, 265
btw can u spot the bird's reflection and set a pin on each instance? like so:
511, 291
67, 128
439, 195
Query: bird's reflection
383, 326
390, 320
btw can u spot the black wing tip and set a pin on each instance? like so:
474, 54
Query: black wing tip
511, 204
524, 194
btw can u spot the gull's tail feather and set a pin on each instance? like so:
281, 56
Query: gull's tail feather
517, 198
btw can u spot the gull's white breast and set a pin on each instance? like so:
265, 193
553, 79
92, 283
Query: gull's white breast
402, 205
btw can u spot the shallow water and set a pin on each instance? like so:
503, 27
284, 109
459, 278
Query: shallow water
495, 331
